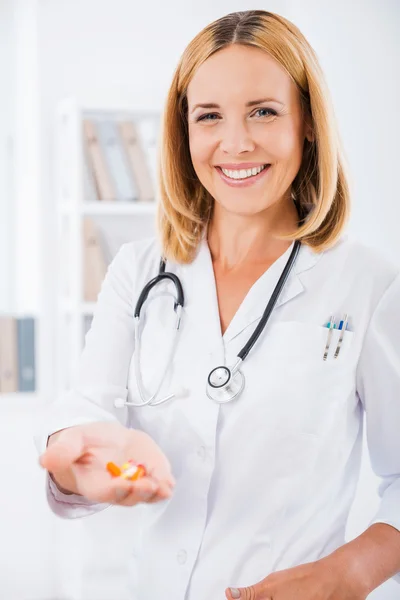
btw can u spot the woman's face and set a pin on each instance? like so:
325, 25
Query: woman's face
244, 113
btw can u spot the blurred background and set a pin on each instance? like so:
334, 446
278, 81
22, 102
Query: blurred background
83, 86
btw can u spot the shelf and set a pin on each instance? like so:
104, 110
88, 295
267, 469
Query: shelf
87, 308
110, 223
114, 208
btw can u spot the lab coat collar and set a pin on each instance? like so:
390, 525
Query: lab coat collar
202, 299
254, 304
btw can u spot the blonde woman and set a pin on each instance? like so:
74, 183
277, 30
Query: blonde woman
241, 377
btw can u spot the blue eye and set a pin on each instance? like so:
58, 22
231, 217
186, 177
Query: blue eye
205, 117
269, 110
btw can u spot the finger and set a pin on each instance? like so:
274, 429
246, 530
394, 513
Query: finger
121, 494
162, 473
64, 451
135, 491
162, 492
133, 496
253, 592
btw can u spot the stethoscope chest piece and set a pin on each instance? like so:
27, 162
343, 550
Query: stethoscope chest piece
225, 384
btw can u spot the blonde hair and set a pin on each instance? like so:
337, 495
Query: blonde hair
321, 187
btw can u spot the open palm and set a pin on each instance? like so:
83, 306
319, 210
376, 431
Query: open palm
80, 454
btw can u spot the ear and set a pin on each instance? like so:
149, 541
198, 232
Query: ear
310, 136
309, 133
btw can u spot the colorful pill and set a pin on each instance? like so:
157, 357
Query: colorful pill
113, 469
141, 472
129, 470
132, 471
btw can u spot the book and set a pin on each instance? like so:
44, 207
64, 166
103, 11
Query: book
87, 323
26, 354
117, 161
137, 160
8, 355
97, 162
89, 184
94, 264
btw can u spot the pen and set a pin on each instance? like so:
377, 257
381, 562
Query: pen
331, 325
342, 327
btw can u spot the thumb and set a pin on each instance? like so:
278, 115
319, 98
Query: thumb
254, 592
64, 451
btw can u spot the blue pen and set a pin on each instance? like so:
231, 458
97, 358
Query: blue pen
339, 345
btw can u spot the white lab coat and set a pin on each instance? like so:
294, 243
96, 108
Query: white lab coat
265, 482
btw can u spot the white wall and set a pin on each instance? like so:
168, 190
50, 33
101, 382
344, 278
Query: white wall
358, 44
27, 209
6, 156
121, 52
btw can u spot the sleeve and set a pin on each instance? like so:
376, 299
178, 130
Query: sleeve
378, 386
102, 373
70, 506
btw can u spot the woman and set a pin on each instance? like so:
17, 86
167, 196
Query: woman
250, 484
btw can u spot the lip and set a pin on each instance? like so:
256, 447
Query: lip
238, 166
243, 182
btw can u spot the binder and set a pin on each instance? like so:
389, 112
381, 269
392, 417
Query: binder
97, 162
94, 265
8, 355
26, 354
137, 160
117, 161
89, 183
87, 323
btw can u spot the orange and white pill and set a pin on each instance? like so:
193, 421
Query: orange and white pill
129, 470
113, 469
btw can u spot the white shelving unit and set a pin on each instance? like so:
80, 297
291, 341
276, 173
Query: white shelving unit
122, 221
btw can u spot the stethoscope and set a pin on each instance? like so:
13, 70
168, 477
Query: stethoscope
224, 384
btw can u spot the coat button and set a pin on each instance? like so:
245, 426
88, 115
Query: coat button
181, 557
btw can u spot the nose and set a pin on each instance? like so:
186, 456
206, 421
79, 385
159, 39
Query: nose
236, 139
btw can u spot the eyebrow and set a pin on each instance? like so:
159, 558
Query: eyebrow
248, 104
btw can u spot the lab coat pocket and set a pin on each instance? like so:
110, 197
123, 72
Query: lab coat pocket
300, 389
296, 339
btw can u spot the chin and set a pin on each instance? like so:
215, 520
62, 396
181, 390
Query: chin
242, 209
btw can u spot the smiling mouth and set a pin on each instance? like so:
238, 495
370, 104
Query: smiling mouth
243, 173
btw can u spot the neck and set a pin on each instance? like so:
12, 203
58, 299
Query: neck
236, 240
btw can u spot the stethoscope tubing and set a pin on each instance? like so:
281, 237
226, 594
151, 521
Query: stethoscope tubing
271, 304
230, 388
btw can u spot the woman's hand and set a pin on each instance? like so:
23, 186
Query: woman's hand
324, 579
77, 457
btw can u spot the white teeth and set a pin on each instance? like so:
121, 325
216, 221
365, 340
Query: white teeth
243, 173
